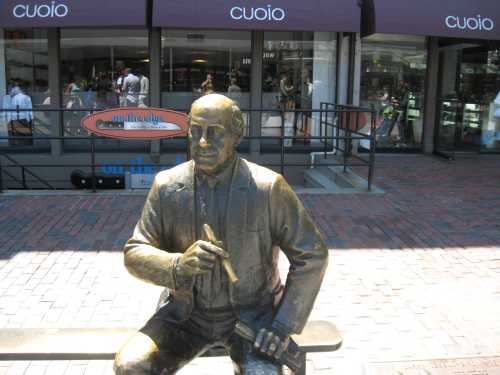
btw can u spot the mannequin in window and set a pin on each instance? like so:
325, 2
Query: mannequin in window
307, 92
21, 123
207, 86
73, 100
287, 89
104, 89
401, 99
144, 94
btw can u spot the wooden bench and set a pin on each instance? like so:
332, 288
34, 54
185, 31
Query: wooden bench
102, 343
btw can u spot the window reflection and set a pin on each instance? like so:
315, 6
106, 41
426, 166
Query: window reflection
202, 62
392, 80
196, 63
469, 93
298, 73
103, 69
24, 83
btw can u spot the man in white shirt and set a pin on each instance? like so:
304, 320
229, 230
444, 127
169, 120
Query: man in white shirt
20, 122
131, 88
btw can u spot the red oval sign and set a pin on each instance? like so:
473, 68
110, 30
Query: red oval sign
137, 123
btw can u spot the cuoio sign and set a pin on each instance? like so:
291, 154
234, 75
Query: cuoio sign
137, 123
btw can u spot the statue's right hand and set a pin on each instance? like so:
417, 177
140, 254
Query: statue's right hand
199, 258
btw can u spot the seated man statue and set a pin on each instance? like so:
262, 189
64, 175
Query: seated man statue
252, 213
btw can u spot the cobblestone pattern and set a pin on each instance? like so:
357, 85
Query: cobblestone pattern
414, 273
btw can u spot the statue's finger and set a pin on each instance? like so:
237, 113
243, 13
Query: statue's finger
281, 348
268, 338
206, 255
259, 338
213, 249
205, 265
273, 345
197, 265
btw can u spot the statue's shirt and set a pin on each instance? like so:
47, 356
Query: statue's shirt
211, 290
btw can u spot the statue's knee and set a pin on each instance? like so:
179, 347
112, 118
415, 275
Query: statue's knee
123, 366
135, 356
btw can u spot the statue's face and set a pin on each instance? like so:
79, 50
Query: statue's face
212, 141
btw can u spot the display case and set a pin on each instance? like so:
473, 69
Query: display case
414, 118
472, 123
449, 117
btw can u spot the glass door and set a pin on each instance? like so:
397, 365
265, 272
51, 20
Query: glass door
469, 97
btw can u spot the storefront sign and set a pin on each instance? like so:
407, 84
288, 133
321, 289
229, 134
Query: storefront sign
314, 15
471, 23
135, 123
260, 14
40, 10
478, 19
72, 13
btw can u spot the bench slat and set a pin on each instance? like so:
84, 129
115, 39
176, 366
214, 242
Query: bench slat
103, 343
62, 343
319, 336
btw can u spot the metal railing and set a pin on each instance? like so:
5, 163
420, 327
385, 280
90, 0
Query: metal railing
338, 129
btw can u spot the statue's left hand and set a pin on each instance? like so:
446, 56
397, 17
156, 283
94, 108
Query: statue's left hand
271, 343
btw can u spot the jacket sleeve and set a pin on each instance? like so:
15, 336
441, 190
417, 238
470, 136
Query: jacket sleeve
145, 255
295, 233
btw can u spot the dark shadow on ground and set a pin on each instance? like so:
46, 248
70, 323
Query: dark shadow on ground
64, 222
428, 203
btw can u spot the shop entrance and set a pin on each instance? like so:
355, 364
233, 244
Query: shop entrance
469, 96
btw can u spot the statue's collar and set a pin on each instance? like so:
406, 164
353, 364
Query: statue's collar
223, 177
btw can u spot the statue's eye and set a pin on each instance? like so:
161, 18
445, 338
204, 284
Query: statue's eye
214, 131
196, 131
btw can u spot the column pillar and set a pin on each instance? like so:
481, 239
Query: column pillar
431, 96
56, 118
256, 91
155, 81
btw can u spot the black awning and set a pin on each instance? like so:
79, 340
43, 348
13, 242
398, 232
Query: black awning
478, 19
306, 15
72, 13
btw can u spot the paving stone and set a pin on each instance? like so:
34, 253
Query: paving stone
413, 272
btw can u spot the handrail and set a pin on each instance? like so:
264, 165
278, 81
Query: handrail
13, 178
24, 169
336, 120
341, 108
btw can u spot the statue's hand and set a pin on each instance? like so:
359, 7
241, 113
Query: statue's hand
199, 258
271, 343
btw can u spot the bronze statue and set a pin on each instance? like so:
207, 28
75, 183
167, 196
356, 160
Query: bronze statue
251, 213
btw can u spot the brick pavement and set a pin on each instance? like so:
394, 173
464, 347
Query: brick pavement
414, 273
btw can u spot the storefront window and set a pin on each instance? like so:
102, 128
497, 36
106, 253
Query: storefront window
197, 62
469, 96
24, 82
103, 68
393, 70
298, 73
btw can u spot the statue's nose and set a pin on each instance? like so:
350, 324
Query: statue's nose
203, 142
203, 139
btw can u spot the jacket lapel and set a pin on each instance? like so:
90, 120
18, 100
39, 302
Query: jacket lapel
185, 215
237, 208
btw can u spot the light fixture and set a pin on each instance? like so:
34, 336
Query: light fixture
200, 61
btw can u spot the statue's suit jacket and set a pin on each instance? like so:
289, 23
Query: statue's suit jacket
263, 215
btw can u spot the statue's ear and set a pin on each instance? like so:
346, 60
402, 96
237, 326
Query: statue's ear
189, 125
238, 125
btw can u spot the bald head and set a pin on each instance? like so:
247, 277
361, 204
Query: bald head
216, 105
215, 129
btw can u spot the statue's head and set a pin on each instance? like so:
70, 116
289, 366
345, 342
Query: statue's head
215, 130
